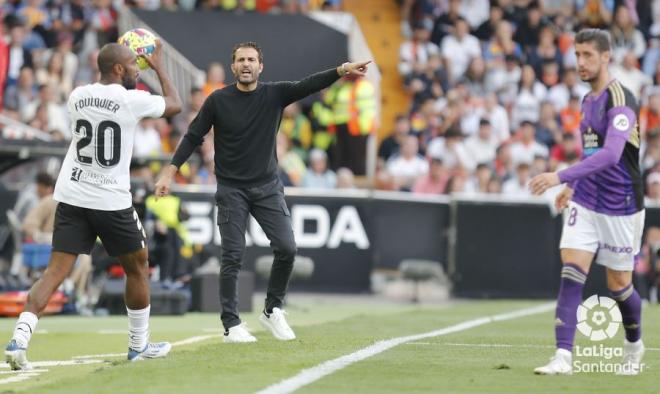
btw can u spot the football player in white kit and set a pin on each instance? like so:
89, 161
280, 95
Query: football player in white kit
93, 191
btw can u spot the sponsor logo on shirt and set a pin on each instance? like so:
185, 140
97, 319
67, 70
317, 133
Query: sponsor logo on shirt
615, 249
80, 175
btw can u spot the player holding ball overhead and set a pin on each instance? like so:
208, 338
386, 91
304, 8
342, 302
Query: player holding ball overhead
93, 191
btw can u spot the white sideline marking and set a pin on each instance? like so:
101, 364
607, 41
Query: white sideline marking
81, 360
310, 375
59, 363
500, 345
17, 372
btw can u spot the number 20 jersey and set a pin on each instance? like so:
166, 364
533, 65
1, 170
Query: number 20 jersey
95, 173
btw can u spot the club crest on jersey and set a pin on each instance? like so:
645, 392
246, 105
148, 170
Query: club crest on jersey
75, 174
621, 122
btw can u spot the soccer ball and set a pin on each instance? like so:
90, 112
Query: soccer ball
142, 42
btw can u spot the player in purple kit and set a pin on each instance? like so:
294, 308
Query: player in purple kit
605, 202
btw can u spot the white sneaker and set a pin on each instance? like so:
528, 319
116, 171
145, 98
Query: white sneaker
16, 356
238, 334
276, 323
560, 364
632, 358
152, 350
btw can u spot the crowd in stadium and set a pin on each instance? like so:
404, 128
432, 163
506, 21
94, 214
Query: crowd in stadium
495, 95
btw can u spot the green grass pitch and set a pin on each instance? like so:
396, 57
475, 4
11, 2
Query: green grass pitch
497, 357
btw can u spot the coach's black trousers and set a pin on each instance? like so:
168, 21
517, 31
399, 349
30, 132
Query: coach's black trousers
266, 203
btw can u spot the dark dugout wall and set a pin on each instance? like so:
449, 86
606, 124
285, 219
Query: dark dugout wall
294, 46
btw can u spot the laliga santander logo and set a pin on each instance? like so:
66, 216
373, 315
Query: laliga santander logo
598, 318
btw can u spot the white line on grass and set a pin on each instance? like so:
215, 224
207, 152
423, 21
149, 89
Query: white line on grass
19, 372
59, 363
500, 345
307, 376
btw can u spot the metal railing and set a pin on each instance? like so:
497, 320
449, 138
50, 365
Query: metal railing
183, 73
22, 130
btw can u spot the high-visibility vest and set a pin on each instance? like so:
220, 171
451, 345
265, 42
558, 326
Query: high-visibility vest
321, 112
354, 104
167, 211
249, 5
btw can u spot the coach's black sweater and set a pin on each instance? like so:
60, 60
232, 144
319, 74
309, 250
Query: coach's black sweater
245, 125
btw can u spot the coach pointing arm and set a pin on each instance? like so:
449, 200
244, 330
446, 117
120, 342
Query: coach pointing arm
288, 91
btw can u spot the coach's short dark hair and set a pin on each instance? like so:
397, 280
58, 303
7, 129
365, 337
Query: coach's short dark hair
599, 37
248, 44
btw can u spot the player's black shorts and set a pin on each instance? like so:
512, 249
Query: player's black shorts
76, 230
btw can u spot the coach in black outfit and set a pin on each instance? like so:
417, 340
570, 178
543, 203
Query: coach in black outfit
245, 117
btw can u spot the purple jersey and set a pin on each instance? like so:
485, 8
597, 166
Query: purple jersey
608, 179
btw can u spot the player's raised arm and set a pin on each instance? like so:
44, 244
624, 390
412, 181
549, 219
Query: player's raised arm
173, 103
294, 91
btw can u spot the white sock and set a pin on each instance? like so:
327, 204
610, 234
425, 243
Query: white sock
138, 328
25, 326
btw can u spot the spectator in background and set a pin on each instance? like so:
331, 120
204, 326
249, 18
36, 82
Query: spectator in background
630, 76
653, 188
57, 119
24, 92
501, 45
498, 118
527, 34
53, 76
503, 161
435, 182
456, 184
40, 219
318, 175
649, 115
215, 78
560, 93
528, 101
354, 119
289, 162
88, 72
524, 150
183, 119
458, 49
651, 155
391, 144
451, 150
482, 146
625, 36
408, 166
415, 53
103, 20
444, 24
475, 12
518, 186
19, 56
565, 152
570, 116
69, 60
345, 179
429, 82
545, 51
548, 130
486, 30
147, 139
482, 177
298, 128
594, 13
